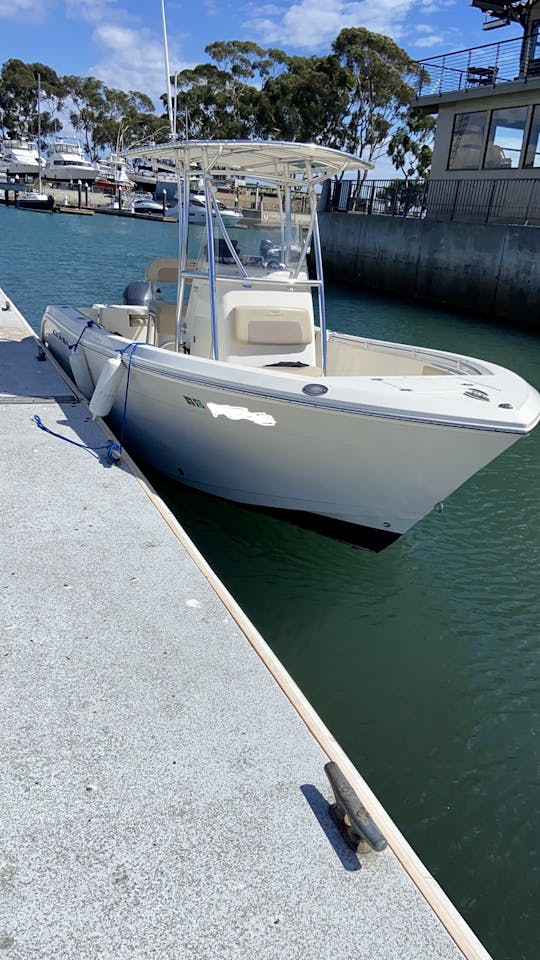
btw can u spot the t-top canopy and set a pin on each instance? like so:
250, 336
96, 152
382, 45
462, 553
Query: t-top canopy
284, 163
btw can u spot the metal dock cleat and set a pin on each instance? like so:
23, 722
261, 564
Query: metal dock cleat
350, 815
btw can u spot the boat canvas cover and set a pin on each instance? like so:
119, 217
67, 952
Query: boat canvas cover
283, 163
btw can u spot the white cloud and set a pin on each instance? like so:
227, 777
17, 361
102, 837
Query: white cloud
132, 59
12, 9
307, 27
436, 6
94, 11
430, 40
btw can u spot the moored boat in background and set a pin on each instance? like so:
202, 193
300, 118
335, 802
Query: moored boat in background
66, 162
35, 200
197, 211
20, 157
112, 175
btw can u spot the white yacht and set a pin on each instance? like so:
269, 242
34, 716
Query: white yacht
113, 175
197, 211
238, 388
148, 176
21, 158
66, 161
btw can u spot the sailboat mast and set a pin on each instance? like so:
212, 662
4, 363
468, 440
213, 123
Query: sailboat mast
167, 70
39, 129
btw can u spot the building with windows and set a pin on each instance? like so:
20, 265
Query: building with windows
486, 157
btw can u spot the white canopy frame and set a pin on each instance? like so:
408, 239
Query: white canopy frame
288, 166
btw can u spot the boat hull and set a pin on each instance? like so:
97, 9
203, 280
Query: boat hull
22, 168
66, 174
36, 202
278, 451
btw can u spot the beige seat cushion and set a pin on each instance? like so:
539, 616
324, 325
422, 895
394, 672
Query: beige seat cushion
272, 325
162, 270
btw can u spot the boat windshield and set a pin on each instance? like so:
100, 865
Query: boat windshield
253, 250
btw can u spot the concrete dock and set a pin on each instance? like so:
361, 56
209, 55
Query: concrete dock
163, 794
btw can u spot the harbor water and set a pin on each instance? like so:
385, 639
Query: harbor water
423, 660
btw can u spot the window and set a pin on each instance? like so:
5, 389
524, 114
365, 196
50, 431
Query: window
467, 140
534, 49
505, 140
532, 155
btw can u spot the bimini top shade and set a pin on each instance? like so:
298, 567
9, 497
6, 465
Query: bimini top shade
275, 162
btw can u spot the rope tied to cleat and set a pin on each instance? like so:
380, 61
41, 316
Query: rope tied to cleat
113, 450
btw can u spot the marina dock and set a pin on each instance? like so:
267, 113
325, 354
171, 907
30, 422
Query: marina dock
164, 793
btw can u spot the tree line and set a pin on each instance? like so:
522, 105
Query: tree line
356, 98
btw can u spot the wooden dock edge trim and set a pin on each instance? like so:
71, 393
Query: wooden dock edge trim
442, 906
462, 935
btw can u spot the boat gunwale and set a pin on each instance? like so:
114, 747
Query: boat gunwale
151, 365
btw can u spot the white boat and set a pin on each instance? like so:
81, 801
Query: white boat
21, 158
149, 176
123, 204
236, 390
36, 199
66, 161
145, 203
197, 211
136, 203
112, 175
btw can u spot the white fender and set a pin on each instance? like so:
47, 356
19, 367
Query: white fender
104, 395
81, 371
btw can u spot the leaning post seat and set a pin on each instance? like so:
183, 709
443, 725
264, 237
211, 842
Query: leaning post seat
278, 330
127, 321
162, 270
286, 326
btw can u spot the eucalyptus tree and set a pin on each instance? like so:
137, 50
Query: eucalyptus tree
84, 99
211, 103
305, 101
130, 119
409, 148
108, 118
379, 89
19, 98
222, 99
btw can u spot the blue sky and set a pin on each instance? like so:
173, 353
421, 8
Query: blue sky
119, 41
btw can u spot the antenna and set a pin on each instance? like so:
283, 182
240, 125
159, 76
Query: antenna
167, 71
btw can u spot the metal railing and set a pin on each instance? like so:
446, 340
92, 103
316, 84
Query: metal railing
486, 200
485, 66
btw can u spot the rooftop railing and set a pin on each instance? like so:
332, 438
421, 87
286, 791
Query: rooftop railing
486, 66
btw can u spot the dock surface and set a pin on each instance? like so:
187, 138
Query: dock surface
163, 794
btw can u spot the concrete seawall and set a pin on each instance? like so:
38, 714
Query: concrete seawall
490, 270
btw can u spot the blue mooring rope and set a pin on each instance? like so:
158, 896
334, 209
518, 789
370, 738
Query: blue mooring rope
114, 450
123, 420
73, 346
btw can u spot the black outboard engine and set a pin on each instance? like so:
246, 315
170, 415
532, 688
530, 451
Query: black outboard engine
140, 293
269, 251
270, 254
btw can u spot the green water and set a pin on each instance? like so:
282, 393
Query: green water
422, 660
